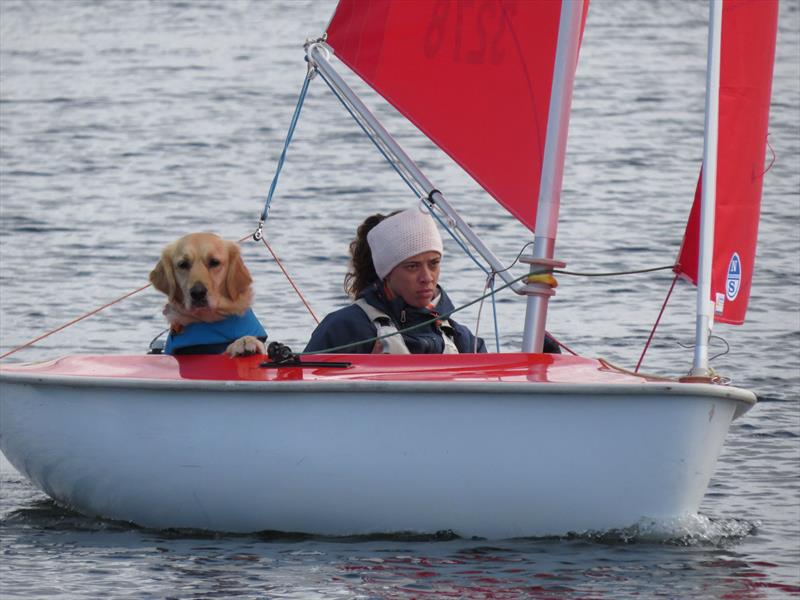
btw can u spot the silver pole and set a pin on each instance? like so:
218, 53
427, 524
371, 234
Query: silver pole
316, 53
552, 169
705, 308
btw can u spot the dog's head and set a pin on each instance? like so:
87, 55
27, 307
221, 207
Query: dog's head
203, 277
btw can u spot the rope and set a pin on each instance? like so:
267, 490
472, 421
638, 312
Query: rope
442, 316
141, 289
609, 365
411, 184
478, 319
516, 260
655, 325
489, 274
282, 159
711, 337
613, 274
491, 294
258, 235
453, 235
494, 316
480, 299
291, 281
73, 321
285, 273
365, 128
489, 284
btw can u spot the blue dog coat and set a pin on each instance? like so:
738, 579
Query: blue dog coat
213, 338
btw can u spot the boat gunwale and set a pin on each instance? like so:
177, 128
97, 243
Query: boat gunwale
673, 388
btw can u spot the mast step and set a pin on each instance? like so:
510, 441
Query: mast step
543, 262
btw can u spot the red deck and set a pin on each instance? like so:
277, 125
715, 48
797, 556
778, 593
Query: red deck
537, 368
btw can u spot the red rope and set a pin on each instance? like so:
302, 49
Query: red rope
73, 321
136, 291
299, 293
655, 325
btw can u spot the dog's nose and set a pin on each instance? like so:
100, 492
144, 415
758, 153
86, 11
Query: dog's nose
198, 292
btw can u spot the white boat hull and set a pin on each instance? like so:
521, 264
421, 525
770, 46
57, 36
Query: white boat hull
486, 459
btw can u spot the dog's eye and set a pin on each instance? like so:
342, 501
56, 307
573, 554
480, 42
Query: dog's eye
214, 263
184, 264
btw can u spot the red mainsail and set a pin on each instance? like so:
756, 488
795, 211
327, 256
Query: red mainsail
475, 76
749, 29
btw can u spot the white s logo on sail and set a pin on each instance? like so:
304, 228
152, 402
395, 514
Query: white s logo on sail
734, 279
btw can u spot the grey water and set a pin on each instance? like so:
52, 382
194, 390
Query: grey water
125, 124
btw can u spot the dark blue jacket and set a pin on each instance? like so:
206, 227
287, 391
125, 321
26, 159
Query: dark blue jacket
351, 324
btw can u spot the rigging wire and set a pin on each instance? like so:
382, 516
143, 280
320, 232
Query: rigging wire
494, 315
282, 159
481, 299
489, 281
453, 235
516, 260
439, 317
428, 199
73, 321
711, 337
374, 139
141, 289
490, 273
411, 183
291, 281
285, 273
406, 177
614, 273
444, 315
655, 325
258, 234
724, 341
462, 307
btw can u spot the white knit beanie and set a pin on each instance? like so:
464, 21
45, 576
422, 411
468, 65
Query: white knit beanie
402, 236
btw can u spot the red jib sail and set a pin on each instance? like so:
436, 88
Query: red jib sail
475, 76
748, 49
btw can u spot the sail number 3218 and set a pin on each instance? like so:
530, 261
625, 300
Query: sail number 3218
484, 23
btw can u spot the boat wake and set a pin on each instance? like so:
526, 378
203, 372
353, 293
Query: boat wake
688, 530
46, 515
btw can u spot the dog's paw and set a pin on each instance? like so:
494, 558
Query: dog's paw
246, 346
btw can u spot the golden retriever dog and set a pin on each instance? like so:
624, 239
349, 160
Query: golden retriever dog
206, 281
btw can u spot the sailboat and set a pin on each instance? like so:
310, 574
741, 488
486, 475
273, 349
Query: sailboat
495, 445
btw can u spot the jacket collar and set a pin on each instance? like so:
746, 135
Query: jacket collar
395, 307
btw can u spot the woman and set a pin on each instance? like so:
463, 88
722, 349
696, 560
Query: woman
395, 264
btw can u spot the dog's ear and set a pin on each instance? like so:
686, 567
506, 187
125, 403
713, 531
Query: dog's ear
163, 277
238, 279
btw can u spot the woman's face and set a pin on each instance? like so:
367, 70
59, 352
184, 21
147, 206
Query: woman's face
415, 279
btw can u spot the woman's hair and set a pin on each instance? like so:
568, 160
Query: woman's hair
362, 271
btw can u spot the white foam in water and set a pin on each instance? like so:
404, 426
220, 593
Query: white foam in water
5, 466
687, 530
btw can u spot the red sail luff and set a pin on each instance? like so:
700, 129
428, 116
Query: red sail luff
749, 29
474, 75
